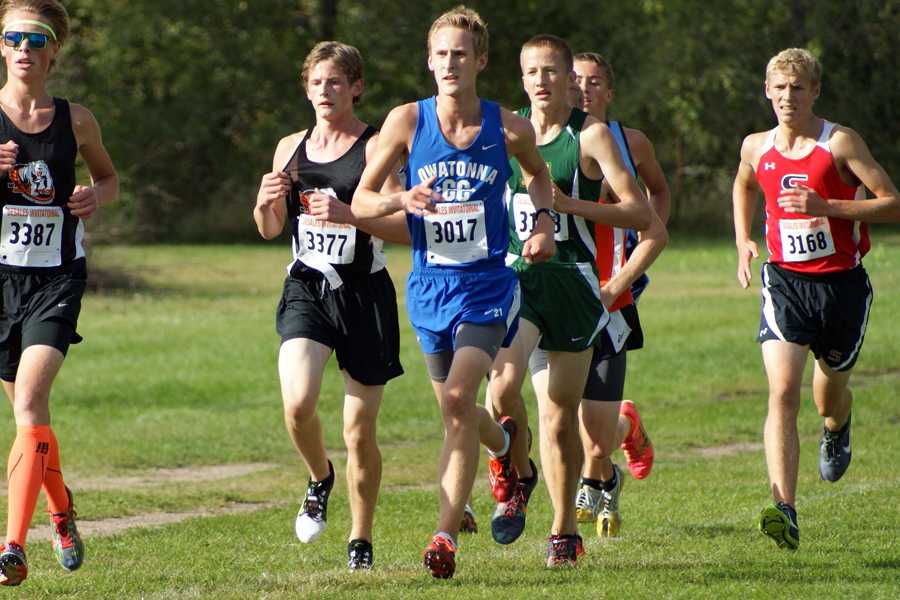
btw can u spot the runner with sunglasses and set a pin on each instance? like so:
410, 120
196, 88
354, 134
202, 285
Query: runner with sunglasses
338, 296
42, 264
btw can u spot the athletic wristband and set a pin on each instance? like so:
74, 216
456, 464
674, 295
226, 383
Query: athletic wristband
538, 212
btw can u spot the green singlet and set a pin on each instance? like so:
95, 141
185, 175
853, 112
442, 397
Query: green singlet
574, 235
562, 295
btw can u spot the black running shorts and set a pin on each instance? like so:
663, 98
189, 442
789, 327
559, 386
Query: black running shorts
358, 321
826, 312
38, 309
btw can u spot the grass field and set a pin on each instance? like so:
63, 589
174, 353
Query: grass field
170, 413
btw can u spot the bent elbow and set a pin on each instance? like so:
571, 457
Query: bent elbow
644, 219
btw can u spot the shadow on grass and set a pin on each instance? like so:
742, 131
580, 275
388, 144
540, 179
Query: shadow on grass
712, 531
106, 279
889, 565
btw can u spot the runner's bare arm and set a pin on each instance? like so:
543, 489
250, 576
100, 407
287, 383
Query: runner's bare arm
651, 242
850, 151
392, 228
393, 143
521, 143
270, 212
651, 173
104, 186
743, 195
599, 147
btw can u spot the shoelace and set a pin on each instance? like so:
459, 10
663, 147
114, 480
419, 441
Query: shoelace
831, 444
582, 501
61, 523
441, 543
312, 507
561, 547
501, 469
607, 501
639, 442
361, 556
518, 500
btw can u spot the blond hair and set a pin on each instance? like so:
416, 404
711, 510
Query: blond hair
50, 10
796, 60
467, 19
346, 57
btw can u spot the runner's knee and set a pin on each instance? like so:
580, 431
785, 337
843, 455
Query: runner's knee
30, 406
359, 436
457, 405
299, 404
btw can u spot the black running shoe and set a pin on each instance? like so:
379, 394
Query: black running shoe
834, 452
360, 555
313, 515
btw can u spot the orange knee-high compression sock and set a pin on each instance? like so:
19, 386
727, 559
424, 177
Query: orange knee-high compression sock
25, 475
54, 486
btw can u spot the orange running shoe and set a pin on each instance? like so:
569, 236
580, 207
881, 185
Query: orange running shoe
440, 557
637, 445
501, 473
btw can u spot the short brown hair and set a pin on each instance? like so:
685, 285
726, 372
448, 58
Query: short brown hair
602, 62
798, 60
554, 42
346, 57
465, 18
51, 10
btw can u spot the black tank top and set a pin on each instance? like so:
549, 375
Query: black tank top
341, 176
40, 235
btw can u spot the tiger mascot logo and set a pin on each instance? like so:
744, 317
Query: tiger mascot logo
33, 181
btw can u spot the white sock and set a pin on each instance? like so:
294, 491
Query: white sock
505, 446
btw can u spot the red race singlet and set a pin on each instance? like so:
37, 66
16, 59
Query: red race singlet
799, 242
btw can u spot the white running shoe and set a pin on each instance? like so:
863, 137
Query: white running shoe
313, 516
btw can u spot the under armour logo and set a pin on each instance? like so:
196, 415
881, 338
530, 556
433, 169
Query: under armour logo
769, 166
42, 447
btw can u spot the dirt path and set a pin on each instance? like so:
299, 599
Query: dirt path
160, 476
106, 527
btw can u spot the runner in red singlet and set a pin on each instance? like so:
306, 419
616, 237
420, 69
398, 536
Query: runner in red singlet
816, 294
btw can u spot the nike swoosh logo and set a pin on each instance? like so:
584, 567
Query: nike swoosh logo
483, 148
577, 339
61, 305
